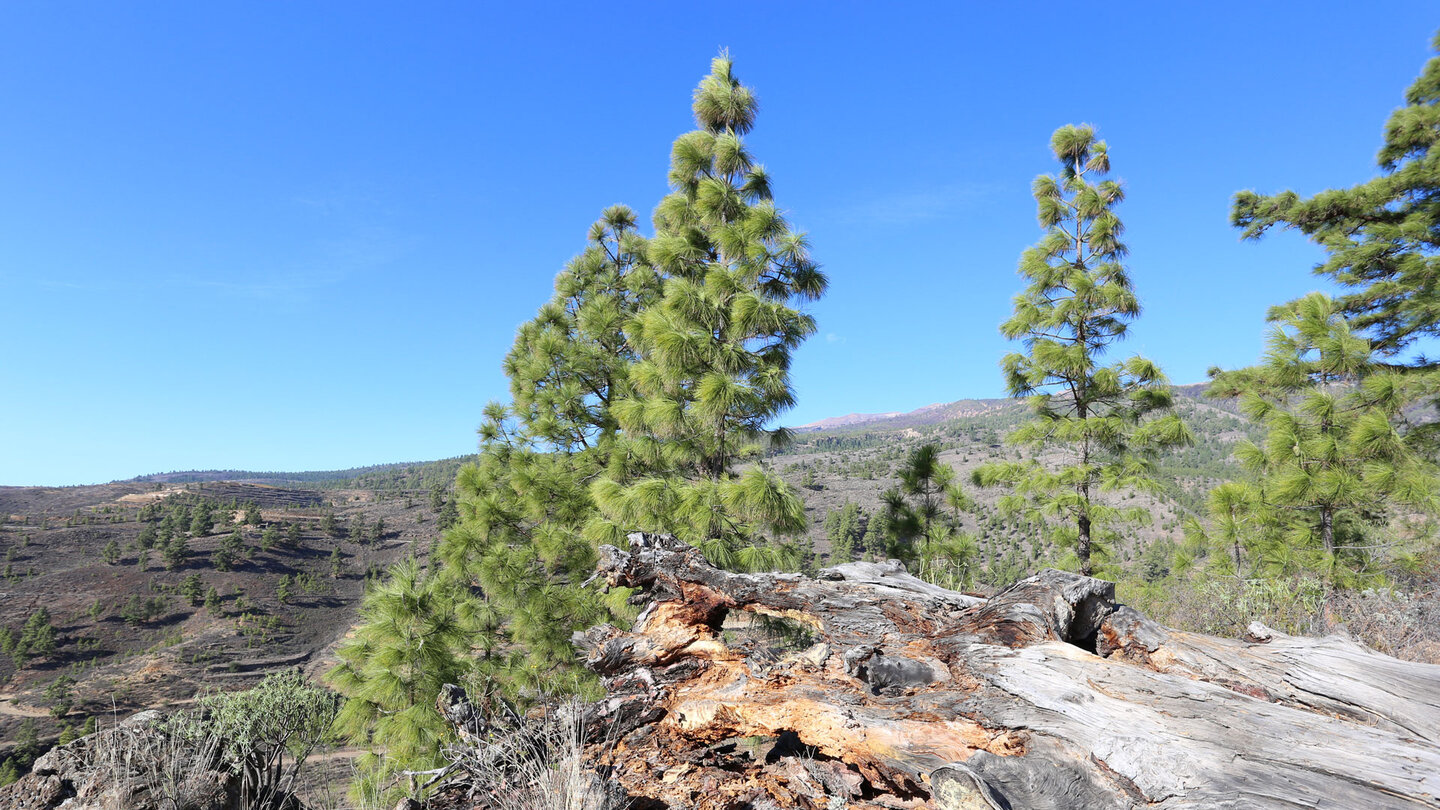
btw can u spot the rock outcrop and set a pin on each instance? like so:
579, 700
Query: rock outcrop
1047, 695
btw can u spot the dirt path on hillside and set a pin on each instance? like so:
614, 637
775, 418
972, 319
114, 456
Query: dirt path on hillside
8, 706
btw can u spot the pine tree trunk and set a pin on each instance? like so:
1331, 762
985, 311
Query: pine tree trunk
1327, 530
1082, 541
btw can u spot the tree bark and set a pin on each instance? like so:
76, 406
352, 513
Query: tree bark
1082, 543
1047, 695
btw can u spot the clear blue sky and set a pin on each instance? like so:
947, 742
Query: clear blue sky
301, 235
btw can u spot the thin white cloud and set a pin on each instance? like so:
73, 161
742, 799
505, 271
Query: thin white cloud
330, 262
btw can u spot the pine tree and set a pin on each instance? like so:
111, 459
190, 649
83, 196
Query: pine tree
230, 552
201, 521
1235, 528
615, 335
60, 695
845, 532
923, 521
37, 638
193, 589
1382, 236
714, 351
175, 552
1339, 453
524, 503
875, 545
1108, 422
213, 605
390, 673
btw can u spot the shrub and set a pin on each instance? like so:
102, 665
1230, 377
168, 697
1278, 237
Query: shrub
268, 731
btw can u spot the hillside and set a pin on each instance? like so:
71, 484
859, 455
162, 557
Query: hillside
135, 631
410, 475
856, 461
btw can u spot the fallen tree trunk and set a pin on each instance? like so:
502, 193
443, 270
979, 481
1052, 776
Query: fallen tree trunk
1048, 695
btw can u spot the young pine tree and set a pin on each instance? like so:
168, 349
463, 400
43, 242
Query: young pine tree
714, 351
390, 673
923, 521
1339, 455
213, 605
1104, 422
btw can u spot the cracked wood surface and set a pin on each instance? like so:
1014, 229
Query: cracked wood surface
1046, 695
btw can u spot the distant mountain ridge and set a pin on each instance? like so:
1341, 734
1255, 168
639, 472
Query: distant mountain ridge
398, 475
928, 415
945, 411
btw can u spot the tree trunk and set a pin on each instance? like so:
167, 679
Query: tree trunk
1047, 695
1082, 544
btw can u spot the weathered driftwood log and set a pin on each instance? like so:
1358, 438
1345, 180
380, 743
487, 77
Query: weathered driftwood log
1048, 695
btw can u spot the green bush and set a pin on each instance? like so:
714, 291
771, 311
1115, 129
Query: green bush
266, 733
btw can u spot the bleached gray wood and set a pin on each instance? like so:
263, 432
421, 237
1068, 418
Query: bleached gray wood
1048, 695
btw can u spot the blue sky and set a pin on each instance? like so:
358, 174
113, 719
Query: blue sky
301, 235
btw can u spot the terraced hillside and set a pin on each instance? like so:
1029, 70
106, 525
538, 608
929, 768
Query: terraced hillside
113, 598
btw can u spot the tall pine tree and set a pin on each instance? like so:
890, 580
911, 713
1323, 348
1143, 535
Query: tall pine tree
1383, 235
714, 352
656, 367
1097, 427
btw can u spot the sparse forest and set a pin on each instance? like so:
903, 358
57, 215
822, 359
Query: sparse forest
646, 395
649, 395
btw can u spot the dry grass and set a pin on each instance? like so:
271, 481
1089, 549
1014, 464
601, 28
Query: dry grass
542, 766
163, 760
1402, 620
1401, 623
